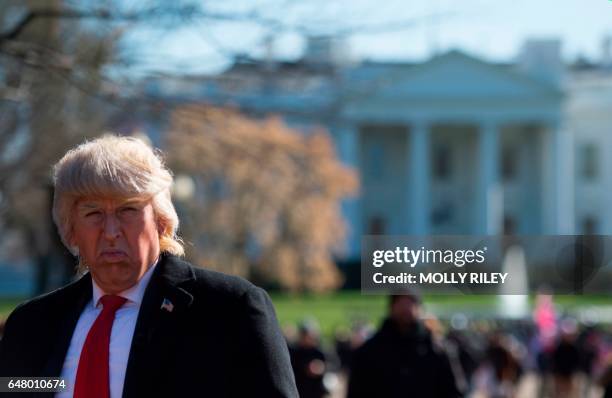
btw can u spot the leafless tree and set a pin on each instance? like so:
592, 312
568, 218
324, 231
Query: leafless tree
67, 71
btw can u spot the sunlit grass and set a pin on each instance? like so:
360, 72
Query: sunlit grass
8, 304
344, 308
341, 309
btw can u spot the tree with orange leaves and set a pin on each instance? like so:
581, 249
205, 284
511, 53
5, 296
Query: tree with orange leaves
267, 198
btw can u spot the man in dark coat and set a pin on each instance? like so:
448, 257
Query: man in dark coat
308, 361
401, 359
140, 322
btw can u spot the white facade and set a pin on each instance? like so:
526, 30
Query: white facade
589, 113
454, 145
458, 146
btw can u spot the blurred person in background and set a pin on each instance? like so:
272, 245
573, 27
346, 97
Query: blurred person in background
605, 379
308, 361
588, 347
462, 358
347, 342
290, 332
500, 372
342, 345
545, 319
140, 322
402, 359
566, 361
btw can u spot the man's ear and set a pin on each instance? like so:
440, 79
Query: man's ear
74, 248
160, 227
71, 239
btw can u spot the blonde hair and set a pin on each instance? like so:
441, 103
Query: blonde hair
115, 167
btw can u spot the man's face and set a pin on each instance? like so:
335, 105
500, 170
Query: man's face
117, 239
405, 310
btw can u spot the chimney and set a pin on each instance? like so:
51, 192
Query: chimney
541, 59
326, 50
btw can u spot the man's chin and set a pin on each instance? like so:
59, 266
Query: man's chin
113, 280
112, 265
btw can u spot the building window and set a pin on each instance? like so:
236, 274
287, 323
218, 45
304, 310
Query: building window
442, 214
376, 158
589, 225
376, 226
589, 161
509, 225
442, 162
509, 162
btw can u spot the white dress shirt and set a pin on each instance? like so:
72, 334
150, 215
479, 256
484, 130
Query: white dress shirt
120, 339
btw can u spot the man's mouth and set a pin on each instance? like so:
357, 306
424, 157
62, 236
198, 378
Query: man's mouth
113, 255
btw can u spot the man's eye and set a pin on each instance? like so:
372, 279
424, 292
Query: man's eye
129, 209
92, 214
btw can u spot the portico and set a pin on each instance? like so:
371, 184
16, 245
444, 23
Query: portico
456, 146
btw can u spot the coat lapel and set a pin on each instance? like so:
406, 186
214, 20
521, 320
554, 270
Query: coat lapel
78, 298
164, 301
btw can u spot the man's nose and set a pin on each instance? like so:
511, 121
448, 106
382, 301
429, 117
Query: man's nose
112, 228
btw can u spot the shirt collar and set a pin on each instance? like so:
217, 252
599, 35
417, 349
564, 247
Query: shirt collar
134, 294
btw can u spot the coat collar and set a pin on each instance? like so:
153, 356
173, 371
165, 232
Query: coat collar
156, 329
169, 281
174, 273
77, 295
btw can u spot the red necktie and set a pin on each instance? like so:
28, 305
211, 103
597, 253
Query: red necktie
92, 379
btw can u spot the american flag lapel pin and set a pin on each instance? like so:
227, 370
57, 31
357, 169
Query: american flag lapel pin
167, 305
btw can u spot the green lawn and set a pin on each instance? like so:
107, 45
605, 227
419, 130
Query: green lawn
7, 305
340, 309
331, 311
343, 308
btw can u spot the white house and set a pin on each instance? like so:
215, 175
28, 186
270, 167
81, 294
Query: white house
452, 145
589, 114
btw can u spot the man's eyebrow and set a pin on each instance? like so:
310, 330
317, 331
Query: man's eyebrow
88, 205
132, 202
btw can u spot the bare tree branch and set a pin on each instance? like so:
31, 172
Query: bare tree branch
32, 15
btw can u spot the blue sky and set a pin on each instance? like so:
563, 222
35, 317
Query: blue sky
493, 30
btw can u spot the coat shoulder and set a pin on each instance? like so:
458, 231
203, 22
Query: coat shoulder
220, 284
45, 304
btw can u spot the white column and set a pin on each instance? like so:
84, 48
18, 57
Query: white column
560, 196
490, 210
418, 172
349, 149
605, 171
